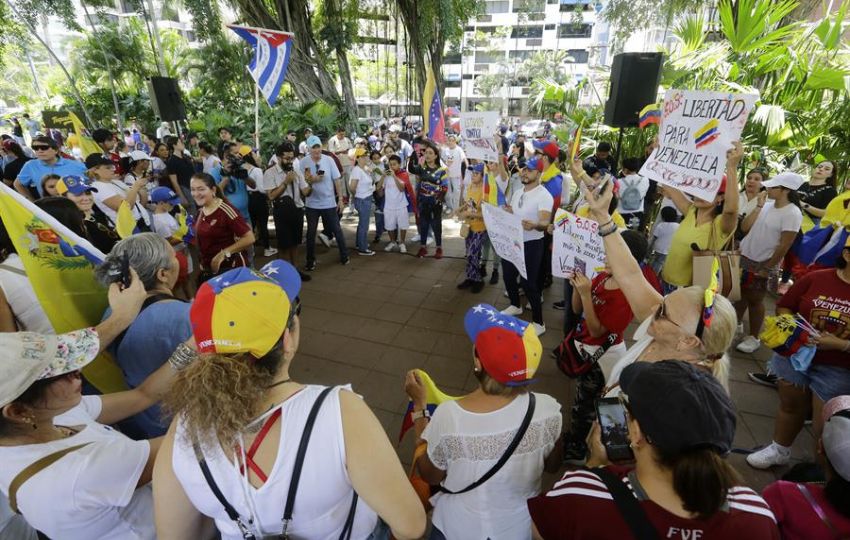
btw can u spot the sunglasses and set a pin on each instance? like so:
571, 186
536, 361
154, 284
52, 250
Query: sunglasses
661, 314
38, 147
293, 311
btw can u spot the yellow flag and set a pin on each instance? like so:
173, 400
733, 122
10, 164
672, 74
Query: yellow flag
86, 143
125, 223
60, 266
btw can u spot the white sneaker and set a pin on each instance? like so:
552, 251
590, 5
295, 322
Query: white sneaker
739, 331
539, 329
415, 238
749, 345
402, 248
512, 310
430, 241
769, 456
367, 253
391, 246
324, 240
268, 252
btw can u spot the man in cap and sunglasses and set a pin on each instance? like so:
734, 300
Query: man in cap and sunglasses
48, 161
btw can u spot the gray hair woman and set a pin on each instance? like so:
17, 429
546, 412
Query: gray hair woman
162, 324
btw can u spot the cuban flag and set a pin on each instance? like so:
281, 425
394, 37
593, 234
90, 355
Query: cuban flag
272, 49
432, 110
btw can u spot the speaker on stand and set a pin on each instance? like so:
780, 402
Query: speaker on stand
166, 100
634, 85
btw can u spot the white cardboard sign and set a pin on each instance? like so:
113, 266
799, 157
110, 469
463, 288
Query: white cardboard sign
576, 246
505, 232
477, 130
697, 128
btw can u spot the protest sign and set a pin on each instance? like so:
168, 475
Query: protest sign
505, 232
476, 132
576, 245
697, 128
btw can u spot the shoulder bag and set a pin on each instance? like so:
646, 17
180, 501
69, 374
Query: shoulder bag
33, 469
526, 421
729, 284
293, 482
628, 505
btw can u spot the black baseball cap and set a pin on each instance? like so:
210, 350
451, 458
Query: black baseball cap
679, 406
96, 160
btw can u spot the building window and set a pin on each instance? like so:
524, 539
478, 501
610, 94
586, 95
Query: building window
571, 6
496, 6
520, 56
451, 84
577, 56
529, 6
549, 27
575, 30
488, 57
452, 58
467, 76
527, 32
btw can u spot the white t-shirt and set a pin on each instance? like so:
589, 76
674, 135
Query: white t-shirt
340, 147
22, 298
165, 225
626, 204
394, 198
255, 174
210, 162
90, 492
663, 233
117, 188
760, 243
528, 205
454, 157
466, 445
274, 177
365, 183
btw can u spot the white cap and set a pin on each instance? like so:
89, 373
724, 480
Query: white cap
138, 155
395, 127
787, 179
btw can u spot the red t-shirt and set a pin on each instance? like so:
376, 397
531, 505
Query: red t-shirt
612, 308
579, 507
824, 300
797, 519
218, 230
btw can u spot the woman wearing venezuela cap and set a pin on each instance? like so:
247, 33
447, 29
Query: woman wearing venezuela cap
233, 452
680, 424
499, 423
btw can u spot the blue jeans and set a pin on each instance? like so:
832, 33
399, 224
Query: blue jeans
431, 218
364, 209
330, 220
824, 380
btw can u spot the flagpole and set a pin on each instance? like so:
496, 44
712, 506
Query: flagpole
257, 116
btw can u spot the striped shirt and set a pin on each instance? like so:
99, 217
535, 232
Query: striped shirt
580, 507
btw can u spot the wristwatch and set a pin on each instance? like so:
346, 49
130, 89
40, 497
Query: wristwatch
420, 414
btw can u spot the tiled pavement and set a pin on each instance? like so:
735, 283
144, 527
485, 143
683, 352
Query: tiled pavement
368, 323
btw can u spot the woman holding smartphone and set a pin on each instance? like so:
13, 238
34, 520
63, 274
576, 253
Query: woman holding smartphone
680, 423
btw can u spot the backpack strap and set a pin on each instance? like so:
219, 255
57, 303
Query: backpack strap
33, 469
520, 433
628, 505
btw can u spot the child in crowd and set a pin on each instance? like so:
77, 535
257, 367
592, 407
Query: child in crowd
398, 196
632, 191
471, 212
662, 235
164, 203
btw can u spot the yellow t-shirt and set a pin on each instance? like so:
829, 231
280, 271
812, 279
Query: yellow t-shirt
837, 212
584, 211
679, 267
474, 195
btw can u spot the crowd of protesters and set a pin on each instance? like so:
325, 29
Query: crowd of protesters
215, 439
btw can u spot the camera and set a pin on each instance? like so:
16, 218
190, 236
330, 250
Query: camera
319, 172
286, 167
234, 166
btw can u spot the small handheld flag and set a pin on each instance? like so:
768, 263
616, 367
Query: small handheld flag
574, 148
433, 397
492, 193
272, 50
651, 114
711, 293
125, 223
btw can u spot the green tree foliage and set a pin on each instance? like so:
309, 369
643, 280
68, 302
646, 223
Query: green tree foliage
629, 16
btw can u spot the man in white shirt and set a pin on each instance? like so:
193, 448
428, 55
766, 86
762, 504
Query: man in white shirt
339, 145
285, 186
302, 148
404, 149
323, 200
455, 159
633, 188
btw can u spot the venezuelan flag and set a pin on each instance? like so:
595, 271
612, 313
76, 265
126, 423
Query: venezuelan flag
651, 114
432, 110
492, 193
60, 267
784, 334
707, 133
553, 181
433, 397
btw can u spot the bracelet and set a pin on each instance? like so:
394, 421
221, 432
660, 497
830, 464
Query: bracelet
182, 356
610, 231
610, 221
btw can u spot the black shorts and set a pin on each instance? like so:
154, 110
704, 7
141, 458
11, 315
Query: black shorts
288, 224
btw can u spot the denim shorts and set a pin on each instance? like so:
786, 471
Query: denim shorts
825, 381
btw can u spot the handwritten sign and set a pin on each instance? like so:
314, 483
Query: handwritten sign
697, 128
576, 246
476, 132
505, 232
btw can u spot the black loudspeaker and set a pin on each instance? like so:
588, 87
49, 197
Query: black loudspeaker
634, 85
166, 100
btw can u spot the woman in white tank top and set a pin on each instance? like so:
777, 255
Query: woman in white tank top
237, 411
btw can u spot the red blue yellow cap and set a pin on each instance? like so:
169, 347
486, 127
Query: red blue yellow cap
535, 164
243, 310
508, 348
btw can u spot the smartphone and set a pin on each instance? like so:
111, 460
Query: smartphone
615, 431
121, 274
319, 172
580, 267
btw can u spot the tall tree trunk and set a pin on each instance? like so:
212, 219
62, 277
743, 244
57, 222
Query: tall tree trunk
118, 120
333, 10
422, 54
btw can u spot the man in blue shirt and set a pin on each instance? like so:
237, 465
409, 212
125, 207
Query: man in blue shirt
323, 200
48, 161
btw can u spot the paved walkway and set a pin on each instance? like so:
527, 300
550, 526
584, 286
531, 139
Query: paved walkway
368, 323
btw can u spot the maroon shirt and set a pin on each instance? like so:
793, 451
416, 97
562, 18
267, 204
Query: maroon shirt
579, 507
218, 230
823, 299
